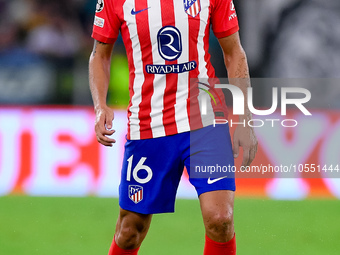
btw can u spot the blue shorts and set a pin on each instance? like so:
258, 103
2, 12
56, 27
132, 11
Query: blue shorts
152, 168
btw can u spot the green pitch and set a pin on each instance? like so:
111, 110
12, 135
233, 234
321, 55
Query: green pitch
84, 226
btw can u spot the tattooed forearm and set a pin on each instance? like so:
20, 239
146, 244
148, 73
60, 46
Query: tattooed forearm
242, 68
95, 46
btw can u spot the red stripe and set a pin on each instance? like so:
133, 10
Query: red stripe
193, 106
26, 160
147, 87
169, 121
128, 44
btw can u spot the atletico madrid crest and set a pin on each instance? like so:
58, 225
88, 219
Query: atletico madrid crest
136, 193
192, 7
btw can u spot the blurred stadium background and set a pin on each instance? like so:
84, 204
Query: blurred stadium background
58, 187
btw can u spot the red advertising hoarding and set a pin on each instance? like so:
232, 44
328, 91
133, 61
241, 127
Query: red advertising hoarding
53, 151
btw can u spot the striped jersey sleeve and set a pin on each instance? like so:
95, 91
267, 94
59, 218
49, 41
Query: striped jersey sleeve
106, 23
223, 18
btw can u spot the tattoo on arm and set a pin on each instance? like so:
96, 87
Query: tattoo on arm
95, 46
242, 69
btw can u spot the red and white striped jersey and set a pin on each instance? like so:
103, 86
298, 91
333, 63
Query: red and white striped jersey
167, 44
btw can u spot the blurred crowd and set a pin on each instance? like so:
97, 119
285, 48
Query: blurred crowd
54, 28
45, 45
40, 44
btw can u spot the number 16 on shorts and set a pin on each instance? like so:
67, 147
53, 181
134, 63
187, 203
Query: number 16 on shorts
139, 167
136, 191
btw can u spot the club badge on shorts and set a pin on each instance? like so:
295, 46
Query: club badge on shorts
192, 7
136, 193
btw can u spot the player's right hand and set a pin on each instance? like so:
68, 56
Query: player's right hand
103, 126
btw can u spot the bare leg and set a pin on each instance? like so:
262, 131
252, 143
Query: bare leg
131, 229
217, 211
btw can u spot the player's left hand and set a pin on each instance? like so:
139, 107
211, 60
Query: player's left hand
246, 138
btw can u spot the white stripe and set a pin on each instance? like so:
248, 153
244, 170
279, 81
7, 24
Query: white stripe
139, 76
157, 99
192, 10
196, 7
200, 44
203, 72
181, 113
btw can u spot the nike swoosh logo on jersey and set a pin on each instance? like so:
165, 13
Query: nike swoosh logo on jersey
133, 12
215, 180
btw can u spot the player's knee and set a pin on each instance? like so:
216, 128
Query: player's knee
127, 237
220, 224
131, 231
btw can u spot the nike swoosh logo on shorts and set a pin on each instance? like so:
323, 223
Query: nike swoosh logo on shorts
215, 180
136, 12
